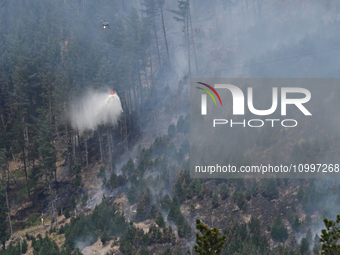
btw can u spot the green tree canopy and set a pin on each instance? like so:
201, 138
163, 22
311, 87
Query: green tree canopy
208, 242
330, 237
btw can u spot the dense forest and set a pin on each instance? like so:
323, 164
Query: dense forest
124, 187
52, 52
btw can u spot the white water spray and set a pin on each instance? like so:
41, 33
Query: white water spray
94, 109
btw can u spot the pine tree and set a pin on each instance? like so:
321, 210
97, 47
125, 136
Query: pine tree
4, 168
317, 245
46, 148
304, 246
129, 167
209, 242
330, 236
224, 191
18, 133
3, 215
160, 220
278, 230
214, 200
76, 172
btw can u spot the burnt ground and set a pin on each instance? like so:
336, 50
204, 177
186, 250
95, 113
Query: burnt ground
263, 208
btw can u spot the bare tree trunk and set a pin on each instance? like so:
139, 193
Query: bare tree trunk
54, 217
68, 141
100, 146
7, 177
62, 48
74, 148
145, 73
159, 57
50, 106
28, 189
27, 152
110, 149
13, 155
69, 151
188, 42
139, 96
151, 66
193, 42
52, 208
126, 136
78, 151
164, 32
2, 121
24, 159
13, 178
20, 245
130, 101
135, 98
9, 211
56, 214
55, 174
86, 152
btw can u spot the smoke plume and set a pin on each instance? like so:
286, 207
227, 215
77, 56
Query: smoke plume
94, 109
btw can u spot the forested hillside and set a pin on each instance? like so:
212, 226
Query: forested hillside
123, 186
52, 52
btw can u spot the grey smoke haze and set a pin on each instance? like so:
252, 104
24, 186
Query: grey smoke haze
94, 109
226, 41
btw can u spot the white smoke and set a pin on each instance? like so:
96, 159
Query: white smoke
94, 109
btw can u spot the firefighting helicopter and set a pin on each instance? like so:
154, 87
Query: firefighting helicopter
105, 24
113, 99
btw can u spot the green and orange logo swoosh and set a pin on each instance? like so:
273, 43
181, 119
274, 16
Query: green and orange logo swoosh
209, 93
